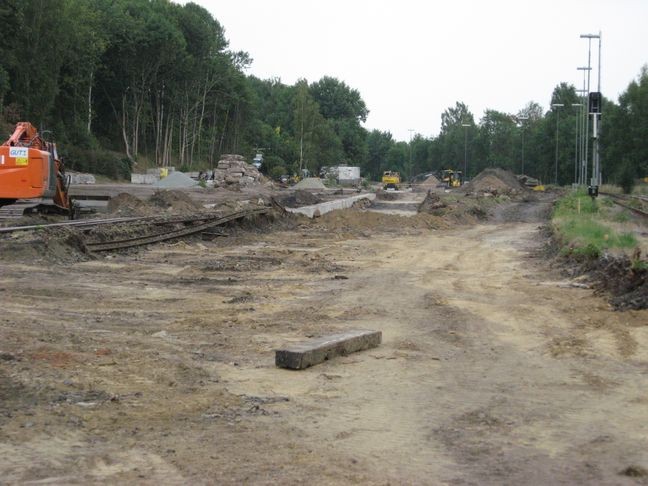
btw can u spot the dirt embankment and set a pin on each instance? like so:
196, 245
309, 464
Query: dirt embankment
621, 278
160, 203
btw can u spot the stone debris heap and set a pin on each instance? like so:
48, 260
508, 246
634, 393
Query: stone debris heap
232, 170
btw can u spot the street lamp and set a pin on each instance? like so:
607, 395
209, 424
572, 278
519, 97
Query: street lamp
522, 119
584, 124
556, 105
465, 174
410, 130
595, 149
577, 118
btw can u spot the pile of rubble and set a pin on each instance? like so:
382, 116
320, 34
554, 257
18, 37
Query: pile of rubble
431, 204
232, 170
493, 182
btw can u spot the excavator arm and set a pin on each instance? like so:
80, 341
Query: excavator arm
26, 135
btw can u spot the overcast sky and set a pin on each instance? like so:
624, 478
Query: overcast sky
411, 60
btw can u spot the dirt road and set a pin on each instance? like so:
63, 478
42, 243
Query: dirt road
158, 367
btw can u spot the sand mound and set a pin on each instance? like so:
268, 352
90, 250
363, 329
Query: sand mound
431, 181
424, 182
174, 201
61, 246
125, 205
310, 183
495, 181
431, 204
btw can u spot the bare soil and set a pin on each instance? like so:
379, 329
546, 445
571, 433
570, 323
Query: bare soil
157, 367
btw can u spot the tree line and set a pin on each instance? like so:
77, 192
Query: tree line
129, 84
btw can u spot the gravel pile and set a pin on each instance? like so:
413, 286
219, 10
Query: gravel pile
176, 180
495, 181
310, 183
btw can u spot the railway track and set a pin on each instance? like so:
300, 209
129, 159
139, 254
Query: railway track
76, 223
193, 224
622, 199
140, 240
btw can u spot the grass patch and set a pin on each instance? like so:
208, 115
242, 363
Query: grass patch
581, 225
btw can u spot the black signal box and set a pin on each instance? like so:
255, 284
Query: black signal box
595, 99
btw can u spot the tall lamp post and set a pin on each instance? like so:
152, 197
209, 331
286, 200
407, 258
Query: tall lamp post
556, 105
410, 130
577, 117
595, 152
584, 145
465, 173
522, 119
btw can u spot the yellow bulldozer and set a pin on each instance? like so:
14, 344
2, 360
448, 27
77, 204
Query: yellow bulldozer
391, 180
451, 177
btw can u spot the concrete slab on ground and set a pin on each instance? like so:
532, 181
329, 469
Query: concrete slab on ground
309, 353
328, 206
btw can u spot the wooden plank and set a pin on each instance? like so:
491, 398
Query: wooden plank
308, 353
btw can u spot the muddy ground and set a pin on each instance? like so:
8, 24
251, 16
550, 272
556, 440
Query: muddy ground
157, 366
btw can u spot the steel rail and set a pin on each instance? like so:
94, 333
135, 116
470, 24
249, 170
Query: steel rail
157, 220
617, 197
86, 222
169, 235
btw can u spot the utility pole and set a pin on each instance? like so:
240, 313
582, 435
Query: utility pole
465, 172
556, 105
577, 118
594, 101
522, 119
410, 130
582, 174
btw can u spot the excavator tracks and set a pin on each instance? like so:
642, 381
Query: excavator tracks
19, 208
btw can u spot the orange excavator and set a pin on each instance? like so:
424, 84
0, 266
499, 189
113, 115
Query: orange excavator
32, 177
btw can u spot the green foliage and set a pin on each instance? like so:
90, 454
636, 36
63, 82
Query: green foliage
98, 161
627, 177
585, 233
621, 217
624, 130
155, 80
577, 202
277, 171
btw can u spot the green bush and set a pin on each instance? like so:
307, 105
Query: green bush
568, 205
584, 233
97, 161
277, 171
627, 177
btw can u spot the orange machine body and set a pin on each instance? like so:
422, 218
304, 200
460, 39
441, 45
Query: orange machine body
30, 169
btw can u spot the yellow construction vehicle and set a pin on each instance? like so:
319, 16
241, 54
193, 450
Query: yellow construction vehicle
391, 180
452, 178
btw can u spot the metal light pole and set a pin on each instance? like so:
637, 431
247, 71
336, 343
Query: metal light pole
589, 38
584, 145
410, 130
577, 118
522, 119
465, 173
556, 105
596, 162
